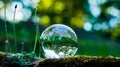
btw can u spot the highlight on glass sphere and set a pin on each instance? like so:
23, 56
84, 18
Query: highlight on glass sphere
58, 41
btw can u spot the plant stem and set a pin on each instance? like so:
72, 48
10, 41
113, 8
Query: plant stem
6, 31
37, 32
14, 29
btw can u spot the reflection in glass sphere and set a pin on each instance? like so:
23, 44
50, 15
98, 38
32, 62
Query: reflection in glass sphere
58, 41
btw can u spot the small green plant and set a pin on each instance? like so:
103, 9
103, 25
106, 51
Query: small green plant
37, 32
8, 49
8, 46
23, 58
14, 29
36, 27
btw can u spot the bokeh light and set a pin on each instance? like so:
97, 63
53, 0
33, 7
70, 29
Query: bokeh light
114, 11
59, 7
113, 22
87, 26
95, 11
97, 26
45, 20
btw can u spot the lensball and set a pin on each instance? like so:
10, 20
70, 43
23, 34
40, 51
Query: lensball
58, 41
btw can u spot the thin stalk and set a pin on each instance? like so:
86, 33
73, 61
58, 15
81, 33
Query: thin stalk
37, 32
14, 28
6, 31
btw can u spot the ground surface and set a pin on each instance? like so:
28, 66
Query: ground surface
81, 61
78, 61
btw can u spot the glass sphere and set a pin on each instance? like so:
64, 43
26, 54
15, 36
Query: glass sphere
58, 41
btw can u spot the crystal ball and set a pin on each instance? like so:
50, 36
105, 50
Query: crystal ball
58, 41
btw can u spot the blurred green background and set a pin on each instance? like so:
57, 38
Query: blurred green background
96, 23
